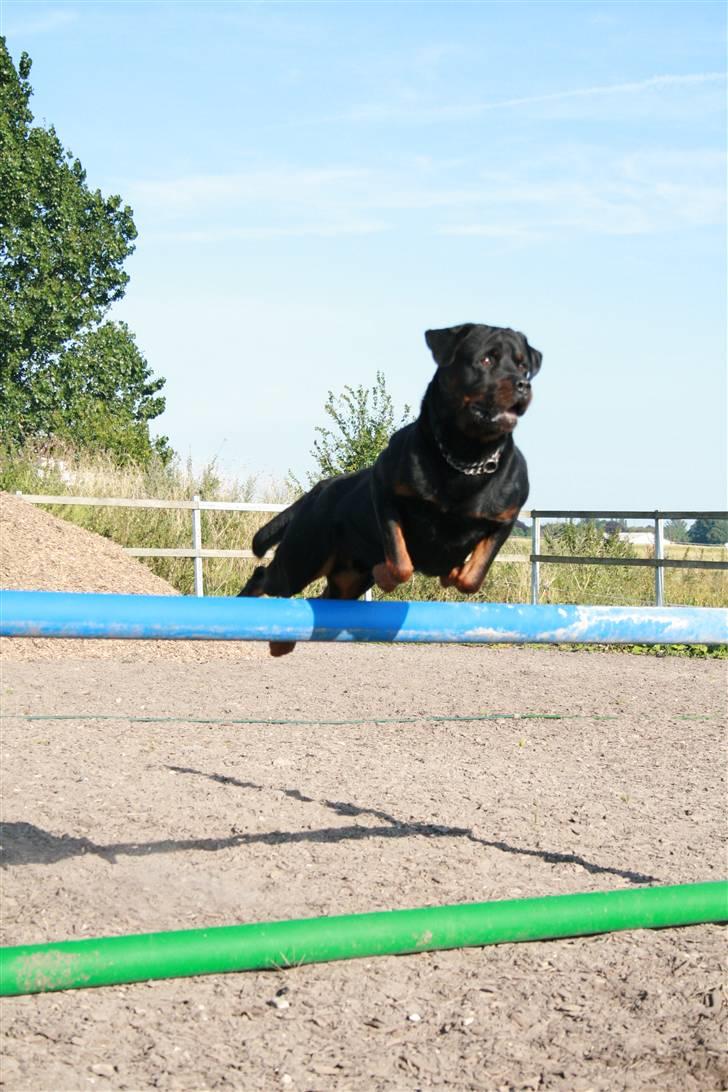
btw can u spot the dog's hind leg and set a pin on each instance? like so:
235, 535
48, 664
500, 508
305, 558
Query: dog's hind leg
270, 580
284, 577
256, 583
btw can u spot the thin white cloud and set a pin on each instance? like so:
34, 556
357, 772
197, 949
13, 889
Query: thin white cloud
649, 191
634, 87
610, 204
455, 111
292, 231
291, 184
41, 24
507, 232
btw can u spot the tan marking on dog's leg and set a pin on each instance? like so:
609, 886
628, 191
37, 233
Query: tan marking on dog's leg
473, 572
325, 569
383, 577
395, 569
508, 515
451, 578
347, 583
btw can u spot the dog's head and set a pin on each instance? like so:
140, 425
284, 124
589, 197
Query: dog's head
484, 375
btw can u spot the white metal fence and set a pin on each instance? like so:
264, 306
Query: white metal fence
198, 553
659, 562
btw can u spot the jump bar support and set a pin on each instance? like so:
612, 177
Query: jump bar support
171, 617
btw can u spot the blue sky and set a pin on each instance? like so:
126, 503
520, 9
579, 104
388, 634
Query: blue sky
315, 184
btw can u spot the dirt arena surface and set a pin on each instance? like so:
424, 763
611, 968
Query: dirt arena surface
114, 824
39, 552
134, 802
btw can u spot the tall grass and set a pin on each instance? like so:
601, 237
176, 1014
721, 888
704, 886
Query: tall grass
609, 585
65, 471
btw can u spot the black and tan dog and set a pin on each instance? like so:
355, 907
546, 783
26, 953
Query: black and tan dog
442, 497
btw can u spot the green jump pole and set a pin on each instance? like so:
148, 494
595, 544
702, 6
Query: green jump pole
37, 968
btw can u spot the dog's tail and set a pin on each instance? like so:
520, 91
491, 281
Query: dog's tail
271, 533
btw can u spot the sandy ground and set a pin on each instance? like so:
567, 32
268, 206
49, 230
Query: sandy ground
114, 824
133, 801
39, 552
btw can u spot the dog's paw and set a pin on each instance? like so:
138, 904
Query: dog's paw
465, 581
281, 648
384, 578
467, 584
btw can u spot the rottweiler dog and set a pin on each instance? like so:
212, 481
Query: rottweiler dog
441, 498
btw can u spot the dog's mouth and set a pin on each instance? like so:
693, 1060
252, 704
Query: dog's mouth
504, 420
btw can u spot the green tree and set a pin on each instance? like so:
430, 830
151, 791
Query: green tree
364, 419
62, 248
100, 393
711, 532
676, 530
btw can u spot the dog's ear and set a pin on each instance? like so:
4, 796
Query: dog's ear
443, 343
534, 359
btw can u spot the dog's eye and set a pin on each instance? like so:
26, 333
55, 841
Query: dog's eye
487, 361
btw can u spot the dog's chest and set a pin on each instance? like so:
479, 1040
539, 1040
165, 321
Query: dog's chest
439, 538
460, 501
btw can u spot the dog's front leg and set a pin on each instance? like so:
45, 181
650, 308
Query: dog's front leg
397, 567
469, 577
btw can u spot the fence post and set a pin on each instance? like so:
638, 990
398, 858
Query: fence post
659, 570
535, 549
197, 545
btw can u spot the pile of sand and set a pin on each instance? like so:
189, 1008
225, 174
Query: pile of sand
39, 552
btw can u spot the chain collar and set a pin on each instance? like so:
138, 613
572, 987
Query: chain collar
485, 466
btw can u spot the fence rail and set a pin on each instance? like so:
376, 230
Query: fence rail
536, 558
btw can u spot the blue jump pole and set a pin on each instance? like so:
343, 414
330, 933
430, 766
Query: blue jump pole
134, 617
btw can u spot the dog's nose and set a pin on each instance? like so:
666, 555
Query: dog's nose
523, 387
